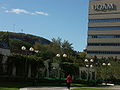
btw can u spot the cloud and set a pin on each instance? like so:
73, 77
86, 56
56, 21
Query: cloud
23, 11
17, 11
41, 13
3, 7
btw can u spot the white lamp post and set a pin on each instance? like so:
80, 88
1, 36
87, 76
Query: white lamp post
106, 64
89, 65
24, 48
29, 71
58, 55
30, 49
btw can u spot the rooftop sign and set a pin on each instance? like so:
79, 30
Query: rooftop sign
104, 7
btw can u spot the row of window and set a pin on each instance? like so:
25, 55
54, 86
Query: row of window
104, 20
103, 36
103, 52
103, 44
103, 28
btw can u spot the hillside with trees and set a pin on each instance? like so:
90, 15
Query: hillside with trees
15, 41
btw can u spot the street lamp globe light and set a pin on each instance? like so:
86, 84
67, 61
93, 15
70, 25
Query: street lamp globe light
64, 55
58, 55
91, 60
86, 60
87, 65
104, 64
109, 64
31, 49
23, 48
36, 51
91, 66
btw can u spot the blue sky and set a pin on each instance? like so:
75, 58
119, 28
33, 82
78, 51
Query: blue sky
67, 19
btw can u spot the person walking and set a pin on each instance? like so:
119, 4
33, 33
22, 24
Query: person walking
69, 81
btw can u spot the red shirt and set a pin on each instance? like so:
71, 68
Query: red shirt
69, 79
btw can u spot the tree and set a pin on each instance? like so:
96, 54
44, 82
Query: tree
82, 55
115, 70
17, 44
67, 48
108, 72
4, 40
70, 68
56, 45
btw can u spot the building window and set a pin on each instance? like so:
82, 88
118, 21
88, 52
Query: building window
104, 20
103, 36
103, 52
103, 28
103, 44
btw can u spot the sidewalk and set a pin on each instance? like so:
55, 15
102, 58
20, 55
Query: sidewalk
46, 88
116, 87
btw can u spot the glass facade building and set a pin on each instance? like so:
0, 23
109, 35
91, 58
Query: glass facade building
104, 28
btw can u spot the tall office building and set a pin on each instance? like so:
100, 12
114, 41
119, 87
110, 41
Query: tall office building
104, 28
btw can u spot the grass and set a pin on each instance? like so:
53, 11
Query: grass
91, 89
2, 88
18, 85
13, 85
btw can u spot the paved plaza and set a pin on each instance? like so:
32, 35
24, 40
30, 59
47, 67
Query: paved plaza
64, 88
46, 88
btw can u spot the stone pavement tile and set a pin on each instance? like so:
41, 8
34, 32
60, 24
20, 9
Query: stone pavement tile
44, 88
64, 88
23, 88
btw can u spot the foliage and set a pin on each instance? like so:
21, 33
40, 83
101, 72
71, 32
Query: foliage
82, 55
16, 58
46, 52
62, 47
111, 72
57, 46
38, 46
17, 40
17, 44
22, 58
22, 63
115, 70
70, 68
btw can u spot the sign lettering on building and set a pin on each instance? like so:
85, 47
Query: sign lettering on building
104, 7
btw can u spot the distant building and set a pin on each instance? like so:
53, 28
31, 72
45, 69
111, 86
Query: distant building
104, 28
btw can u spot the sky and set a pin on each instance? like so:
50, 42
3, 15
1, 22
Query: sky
66, 19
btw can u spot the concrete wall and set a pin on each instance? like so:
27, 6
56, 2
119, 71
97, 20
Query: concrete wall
4, 51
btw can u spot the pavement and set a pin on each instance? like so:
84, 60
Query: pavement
64, 88
46, 88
